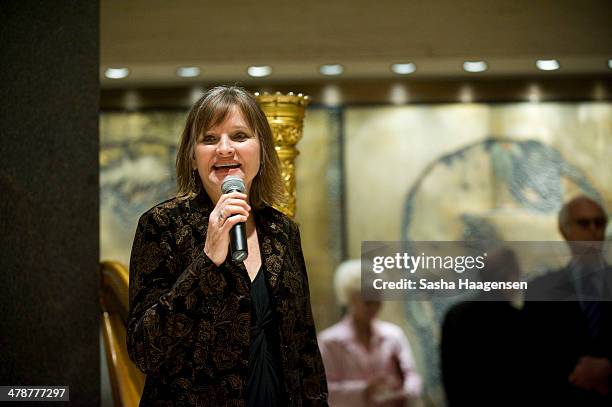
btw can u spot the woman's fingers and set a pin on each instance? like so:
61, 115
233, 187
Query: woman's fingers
232, 195
231, 209
230, 222
231, 204
237, 202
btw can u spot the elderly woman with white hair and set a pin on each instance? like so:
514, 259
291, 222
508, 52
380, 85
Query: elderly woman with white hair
368, 362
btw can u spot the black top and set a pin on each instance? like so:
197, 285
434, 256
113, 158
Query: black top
263, 385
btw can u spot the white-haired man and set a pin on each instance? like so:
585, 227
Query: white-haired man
569, 315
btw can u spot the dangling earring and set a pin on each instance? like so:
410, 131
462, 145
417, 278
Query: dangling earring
261, 166
192, 181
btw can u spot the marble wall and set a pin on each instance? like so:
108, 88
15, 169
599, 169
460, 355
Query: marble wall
137, 153
465, 172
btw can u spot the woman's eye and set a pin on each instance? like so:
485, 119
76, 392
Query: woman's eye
208, 139
240, 136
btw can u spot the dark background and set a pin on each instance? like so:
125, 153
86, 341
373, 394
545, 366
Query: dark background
49, 329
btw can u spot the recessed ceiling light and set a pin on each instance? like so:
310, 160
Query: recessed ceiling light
116, 73
259, 71
332, 95
534, 93
399, 94
475, 66
331, 69
466, 94
195, 94
403, 69
599, 91
188, 71
131, 100
547, 64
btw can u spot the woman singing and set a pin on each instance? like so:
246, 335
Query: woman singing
207, 330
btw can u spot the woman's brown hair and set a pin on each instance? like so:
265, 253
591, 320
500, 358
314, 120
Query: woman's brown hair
211, 109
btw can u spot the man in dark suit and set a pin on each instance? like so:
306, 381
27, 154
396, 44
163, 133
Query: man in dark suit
481, 348
569, 316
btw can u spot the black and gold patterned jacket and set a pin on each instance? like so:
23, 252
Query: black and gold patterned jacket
189, 321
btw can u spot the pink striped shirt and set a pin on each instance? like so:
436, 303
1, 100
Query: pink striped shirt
349, 365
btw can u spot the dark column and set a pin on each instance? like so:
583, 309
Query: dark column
49, 91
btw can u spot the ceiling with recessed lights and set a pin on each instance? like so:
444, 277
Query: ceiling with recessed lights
290, 41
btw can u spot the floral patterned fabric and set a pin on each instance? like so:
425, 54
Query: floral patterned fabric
189, 321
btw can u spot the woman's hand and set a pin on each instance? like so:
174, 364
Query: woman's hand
231, 209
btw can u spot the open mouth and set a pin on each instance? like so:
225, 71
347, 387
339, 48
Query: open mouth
226, 166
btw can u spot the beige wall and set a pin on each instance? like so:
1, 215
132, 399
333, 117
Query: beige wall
389, 148
317, 211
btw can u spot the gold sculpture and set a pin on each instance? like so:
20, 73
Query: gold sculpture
126, 380
285, 113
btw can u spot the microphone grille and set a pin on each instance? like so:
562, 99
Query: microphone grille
232, 183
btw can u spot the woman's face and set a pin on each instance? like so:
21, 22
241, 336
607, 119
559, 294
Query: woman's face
229, 148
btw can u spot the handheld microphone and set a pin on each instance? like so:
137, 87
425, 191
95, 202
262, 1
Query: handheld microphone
238, 240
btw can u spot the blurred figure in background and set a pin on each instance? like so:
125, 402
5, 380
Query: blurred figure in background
368, 362
569, 313
482, 351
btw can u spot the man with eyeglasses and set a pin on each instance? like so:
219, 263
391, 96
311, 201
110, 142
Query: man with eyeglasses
569, 315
